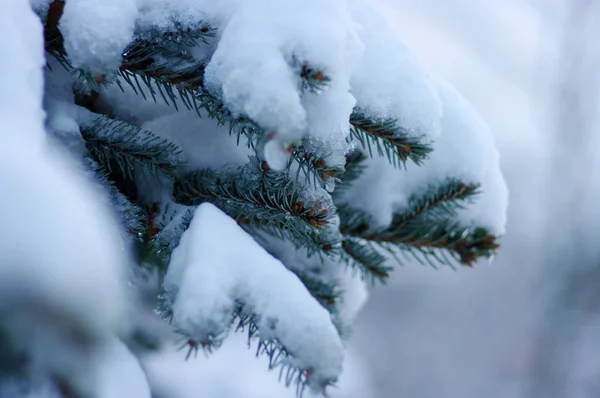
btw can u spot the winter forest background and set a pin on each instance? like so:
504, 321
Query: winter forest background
526, 325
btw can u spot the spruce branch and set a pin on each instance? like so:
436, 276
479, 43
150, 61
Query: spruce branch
130, 148
390, 139
279, 356
159, 63
362, 256
162, 59
260, 198
132, 217
188, 81
428, 228
444, 200
165, 227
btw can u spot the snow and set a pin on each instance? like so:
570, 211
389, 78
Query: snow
21, 79
375, 191
120, 374
217, 264
276, 155
465, 151
255, 75
212, 377
40, 5
353, 298
389, 81
61, 266
352, 289
251, 74
258, 74
96, 33
46, 195
161, 14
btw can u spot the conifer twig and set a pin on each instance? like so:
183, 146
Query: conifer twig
131, 148
428, 225
390, 139
260, 198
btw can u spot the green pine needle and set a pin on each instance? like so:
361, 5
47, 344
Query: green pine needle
362, 256
260, 198
131, 148
132, 217
390, 139
428, 230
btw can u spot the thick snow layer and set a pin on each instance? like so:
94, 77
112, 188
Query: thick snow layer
465, 150
476, 161
218, 265
96, 32
77, 265
212, 377
21, 79
49, 208
61, 267
351, 288
120, 374
261, 48
374, 192
163, 14
254, 69
40, 5
354, 295
389, 82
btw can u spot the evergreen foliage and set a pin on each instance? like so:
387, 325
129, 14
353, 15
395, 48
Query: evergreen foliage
289, 205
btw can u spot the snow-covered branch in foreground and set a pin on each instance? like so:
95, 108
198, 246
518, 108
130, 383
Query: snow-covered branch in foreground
219, 269
62, 264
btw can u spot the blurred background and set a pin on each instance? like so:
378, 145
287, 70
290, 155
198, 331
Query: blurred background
528, 324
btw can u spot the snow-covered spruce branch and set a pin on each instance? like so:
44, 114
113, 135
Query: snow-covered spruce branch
161, 62
158, 61
178, 77
423, 228
277, 144
218, 274
442, 201
258, 197
428, 228
165, 228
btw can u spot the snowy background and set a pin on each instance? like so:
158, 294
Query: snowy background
495, 330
